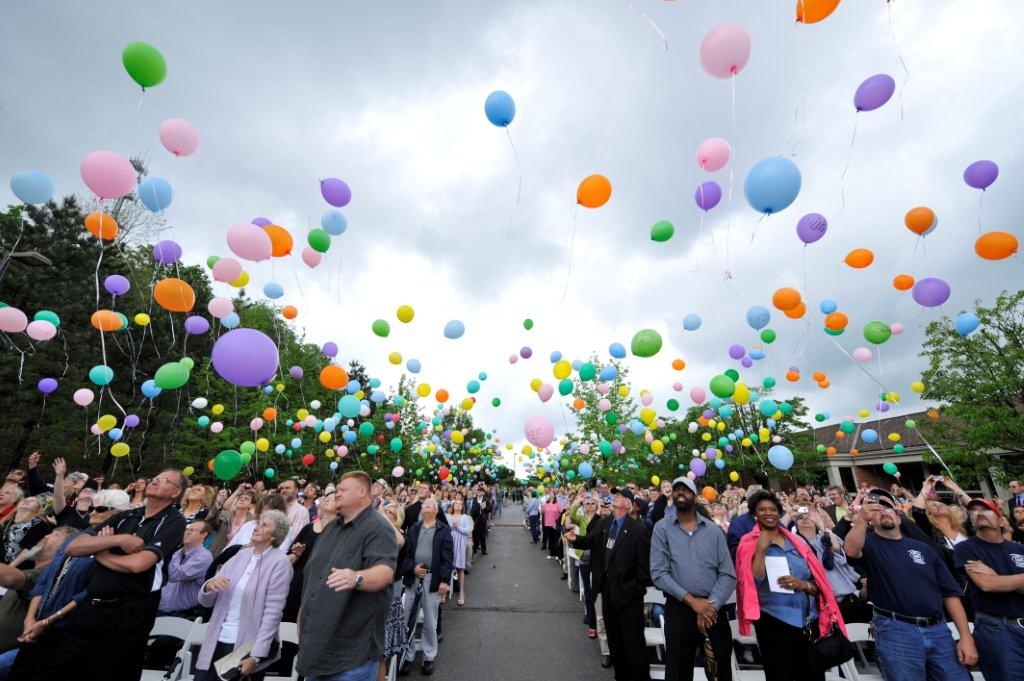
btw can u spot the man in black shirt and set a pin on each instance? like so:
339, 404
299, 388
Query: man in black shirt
107, 637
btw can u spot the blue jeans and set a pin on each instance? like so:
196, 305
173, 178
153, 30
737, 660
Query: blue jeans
365, 672
1000, 647
535, 527
6, 662
588, 600
905, 650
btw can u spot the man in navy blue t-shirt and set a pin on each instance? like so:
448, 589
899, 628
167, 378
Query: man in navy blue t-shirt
909, 584
995, 568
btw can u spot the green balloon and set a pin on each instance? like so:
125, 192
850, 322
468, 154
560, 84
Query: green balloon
187, 362
319, 240
246, 458
46, 316
889, 467
212, 260
732, 373
834, 332
662, 231
847, 427
723, 386
911, 424
366, 429
646, 343
372, 450
605, 447
588, 371
381, 328
565, 386
768, 382
611, 418
396, 444
672, 404
171, 376
496, 402
877, 332
570, 474
227, 464
898, 448
768, 336
820, 449
144, 64
248, 447
527, 324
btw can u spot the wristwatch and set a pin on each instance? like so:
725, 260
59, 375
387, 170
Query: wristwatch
359, 581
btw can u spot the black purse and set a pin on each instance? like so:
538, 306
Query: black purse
830, 650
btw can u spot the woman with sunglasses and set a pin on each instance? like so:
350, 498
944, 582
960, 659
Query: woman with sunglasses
581, 514
53, 601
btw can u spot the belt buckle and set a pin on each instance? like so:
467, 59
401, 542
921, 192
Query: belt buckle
1020, 622
923, 621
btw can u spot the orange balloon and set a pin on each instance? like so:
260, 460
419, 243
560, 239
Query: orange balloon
678, 364
792, 376
289, 312
933, 414
333, 377
859, 258
836, 320
174, 295
796, 312
920, 220
786, 298
813, 11
831, 451
840, 435
578, 403
280, 240
818, 376
101, 225
594, 191
854, 452
269, 414
903, 282
709, 493
209, 464
996, 245
106, 320
703, 421
441, 395
824, 384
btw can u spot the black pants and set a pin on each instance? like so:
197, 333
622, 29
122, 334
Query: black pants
219, 651
784, 650
553, 541
683, 637
626, 643
480, 536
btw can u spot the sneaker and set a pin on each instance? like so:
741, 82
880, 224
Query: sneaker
548, 557
428, 667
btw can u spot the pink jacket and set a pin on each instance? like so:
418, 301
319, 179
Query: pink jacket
747, 607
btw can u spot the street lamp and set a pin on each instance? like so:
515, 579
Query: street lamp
27, 258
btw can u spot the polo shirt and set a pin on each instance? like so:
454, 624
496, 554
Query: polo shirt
162, 534
342, 630
695, 563
1006, 558
906, 576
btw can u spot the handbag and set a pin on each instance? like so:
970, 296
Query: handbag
830, 650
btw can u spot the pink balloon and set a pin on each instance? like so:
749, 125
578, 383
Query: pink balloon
226, 270
646, 399
397, 472
896, 328
12, 320
310, 257
342, 450
179, 137
698, 395
677, 386
216, 427
256, 423
512, 359
539, 431
108, 174
725, 50
249, 242
220, 307
95, 430
862, 355
83, 397
545, 392
603, 388
713, 153
40, 330
584, 449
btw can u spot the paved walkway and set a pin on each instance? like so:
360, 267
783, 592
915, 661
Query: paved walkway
520, 621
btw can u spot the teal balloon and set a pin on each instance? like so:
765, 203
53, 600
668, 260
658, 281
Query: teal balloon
227, 464
101, 374
889, 467
565, 386
203, 421
47, 316
171, 376
587, 371
366, 429
269, 473
396, 444
349, 406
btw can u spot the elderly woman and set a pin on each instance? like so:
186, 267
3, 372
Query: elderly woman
236, 519
23, 531
196, 502
247, 597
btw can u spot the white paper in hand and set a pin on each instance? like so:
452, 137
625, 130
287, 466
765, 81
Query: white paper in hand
775, 567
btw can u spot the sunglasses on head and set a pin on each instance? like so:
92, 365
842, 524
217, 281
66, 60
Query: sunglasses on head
99, 509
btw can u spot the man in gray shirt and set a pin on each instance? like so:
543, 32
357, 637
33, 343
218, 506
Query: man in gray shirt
690, 563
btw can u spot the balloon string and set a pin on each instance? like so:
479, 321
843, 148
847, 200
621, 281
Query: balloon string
796, 135
981, 201
892, 32
138, 113
622, 300
849, 157
856, 363
297, 284
519, 189
932, 450
732, 166
764, 217
664, 40
572, 244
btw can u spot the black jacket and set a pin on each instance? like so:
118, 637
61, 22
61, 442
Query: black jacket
443, 558
412, 515
622, 574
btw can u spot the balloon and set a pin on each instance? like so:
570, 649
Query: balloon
877, 332
245, 357
930, 292
349, 406
171, 376
101, 374
594, 191
772, 184
645, 343
722, 386
220, 307
155, 193
813, 11
862, 355
414, 366
101, 225
47, 385
41, 330
585, 470
179, 137
167, 252
227, 464
330, 349
965, 323
698, 467
333, 222
712, 155
131, 420
758, 317
250, 242
859, 258
539, 431
874, 92
103, 320
335, 192
811, 227
174, 295
116, 285
150, 389
781, 457
83, 397
725, 50
691, 322
996, 245
108, 174
32, 187
920, 220
273, 290
405, 314
12, 320
902, 282
499, 108
144, 64
786, 298
980, 175
119, 449
196, 325
333, 377
545, 392
869, 436
708, 195
662, 231
454, 329
889, 467
319, 240
281, 242
381, 328
47, 316
616, 350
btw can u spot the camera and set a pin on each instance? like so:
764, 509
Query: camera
803, 509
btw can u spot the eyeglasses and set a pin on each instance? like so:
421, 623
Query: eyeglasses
99, 509
194, 529
163, 480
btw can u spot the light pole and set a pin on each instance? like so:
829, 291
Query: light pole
27, 258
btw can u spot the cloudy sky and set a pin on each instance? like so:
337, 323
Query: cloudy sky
389, 97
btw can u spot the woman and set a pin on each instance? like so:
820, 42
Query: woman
1016, 521
396, 630
720, 516
196, 503
582, 514
52, 599
462, 529
782, 619
239, 511
10, 496
247, 597
23, 531
935, 517
446, 501
550, 510
844, 580
137, 491
302, 548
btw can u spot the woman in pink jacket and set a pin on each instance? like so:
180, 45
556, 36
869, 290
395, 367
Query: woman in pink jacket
550, 512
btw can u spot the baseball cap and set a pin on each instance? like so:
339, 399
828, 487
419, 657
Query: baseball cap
987, 503
683, 480
624, 492
885, 497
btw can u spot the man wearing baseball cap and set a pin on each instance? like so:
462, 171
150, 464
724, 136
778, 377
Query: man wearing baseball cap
995, 568
690, 562
909, 583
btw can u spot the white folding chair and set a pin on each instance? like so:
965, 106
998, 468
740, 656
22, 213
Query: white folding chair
654, 596
859, 633
179, 628
738, 673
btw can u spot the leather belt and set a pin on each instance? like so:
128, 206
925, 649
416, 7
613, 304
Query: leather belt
1001, 619
917, 621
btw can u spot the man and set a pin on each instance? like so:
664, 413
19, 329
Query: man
908, 583
75, 515
377, 494
620, 554
659, 507
347, 589
482, 507
602, 491
311, 492
186, 572
840, 507
995, 567
111, 627
532, 510
298, 515
741, 525
429, 558
690, 563
1016, 496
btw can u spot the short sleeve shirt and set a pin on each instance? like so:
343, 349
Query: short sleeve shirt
162, 534
906, 576
1006, 558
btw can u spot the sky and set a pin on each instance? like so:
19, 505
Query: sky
388, 96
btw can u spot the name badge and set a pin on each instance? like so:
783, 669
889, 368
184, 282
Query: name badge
610, 545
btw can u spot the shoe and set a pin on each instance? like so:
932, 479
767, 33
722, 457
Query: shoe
405, 669
483, 553
548, 557
428, 667
564, 577
461, 603
591, 633
440, 637
606, 661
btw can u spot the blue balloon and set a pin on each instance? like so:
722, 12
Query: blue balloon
350, 436
719, 464
32, 186
617, 350
966, 323
334, 465
868, 435
473, 387
585, 470
576, 364
203, 421
555, 356
499, 108
758, 317
101, 374
230, 321
772, 185
691, 322
377, 396
353, 387
756, 354
273, 290
155, 193
268, 389
333, 222
413, 365
454, 329
608, 372
279, 449
150, 389
828, 306
296, 442
781, 457
114, 434
637, 427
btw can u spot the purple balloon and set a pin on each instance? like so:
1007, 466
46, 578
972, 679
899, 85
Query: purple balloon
296, 372
245, 357
874, 92
698, 466
981, 174
737, 351
335, 192
47, 385
330, 349
116, 285
131, 420
811, 227
708, 195
882, 406
166, 252
930, 292
526, 352
261, 222
747, 362
196, 325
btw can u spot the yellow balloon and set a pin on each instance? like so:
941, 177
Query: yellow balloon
706, 437
423, 389
917, 387
395, 358
746, 442
467, 404
742, 394
894, 437
734, 476
655, 480
324, 436
527, 449
263, 444
508, 445
279, 387
329, 453
711, 423
119, 449
142, 319
188, 470
457, 437
721, 425
623, 390
360, 394
535, 384
106, 422
242, 280
648, 415
657, 446
217, 409
764, 434
405, 313
301, 414
893, 398
431, 448
540, 489
863, 413
541, 473
562, 369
